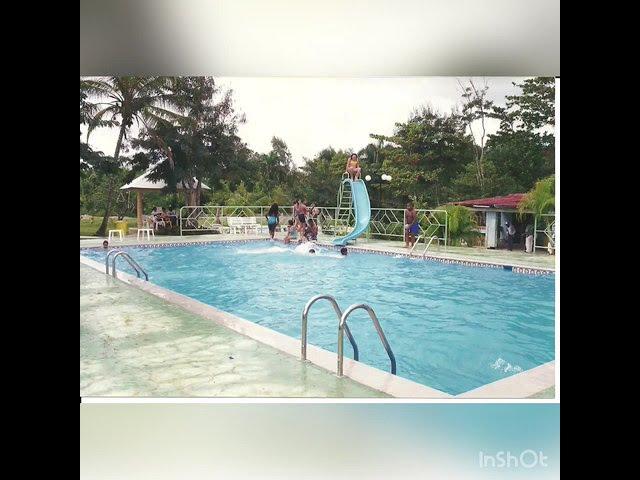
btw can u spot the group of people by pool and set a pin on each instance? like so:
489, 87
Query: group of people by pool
303, 226
163, 217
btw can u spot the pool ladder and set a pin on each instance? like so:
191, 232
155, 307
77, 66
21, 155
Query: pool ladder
135, 265
428, 244
344, 328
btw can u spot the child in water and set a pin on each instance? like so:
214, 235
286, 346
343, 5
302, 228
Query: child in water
292, 234
311, 230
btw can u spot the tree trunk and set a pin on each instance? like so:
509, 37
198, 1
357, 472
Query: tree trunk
102, 229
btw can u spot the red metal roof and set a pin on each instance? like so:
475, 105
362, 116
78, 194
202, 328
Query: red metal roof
507, 201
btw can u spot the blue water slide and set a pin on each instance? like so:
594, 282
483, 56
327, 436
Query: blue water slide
362, 209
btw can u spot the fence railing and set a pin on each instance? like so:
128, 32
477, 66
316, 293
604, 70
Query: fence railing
385, 222
545, 232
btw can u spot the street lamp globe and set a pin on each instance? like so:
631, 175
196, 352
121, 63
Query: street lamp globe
368, 178
389, 178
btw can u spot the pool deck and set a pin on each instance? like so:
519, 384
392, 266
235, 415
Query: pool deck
516, 258
134, 344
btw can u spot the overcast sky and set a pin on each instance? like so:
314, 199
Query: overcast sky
310, 114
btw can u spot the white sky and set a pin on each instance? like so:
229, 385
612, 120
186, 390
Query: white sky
310, 114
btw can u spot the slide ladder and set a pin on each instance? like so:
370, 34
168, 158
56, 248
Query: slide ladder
344, 217
353, 207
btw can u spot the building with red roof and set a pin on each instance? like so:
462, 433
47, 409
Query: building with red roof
493, 213
504, 203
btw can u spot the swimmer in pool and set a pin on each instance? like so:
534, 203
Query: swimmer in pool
306, 248
105, 244
343, 251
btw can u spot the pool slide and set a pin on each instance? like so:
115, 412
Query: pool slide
362, 209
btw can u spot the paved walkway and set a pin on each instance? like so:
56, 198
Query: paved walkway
134, 344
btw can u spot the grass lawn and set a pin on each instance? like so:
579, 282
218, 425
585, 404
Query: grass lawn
89, 227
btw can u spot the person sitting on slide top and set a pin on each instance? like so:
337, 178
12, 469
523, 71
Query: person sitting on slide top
353, 167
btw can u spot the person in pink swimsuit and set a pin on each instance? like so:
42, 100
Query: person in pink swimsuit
353, 167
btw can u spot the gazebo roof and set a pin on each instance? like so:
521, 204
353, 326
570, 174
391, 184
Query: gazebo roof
143, 183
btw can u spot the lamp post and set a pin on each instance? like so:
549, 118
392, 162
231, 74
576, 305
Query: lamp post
378, 179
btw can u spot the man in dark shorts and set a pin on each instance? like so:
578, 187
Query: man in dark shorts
302, 213
411, 227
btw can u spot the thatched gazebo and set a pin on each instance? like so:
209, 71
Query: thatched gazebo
141, 185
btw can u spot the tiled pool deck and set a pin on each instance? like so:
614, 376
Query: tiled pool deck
135, 344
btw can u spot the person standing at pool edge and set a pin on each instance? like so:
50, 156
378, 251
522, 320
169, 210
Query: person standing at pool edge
294, 211
411, 226
273, 218
511, 232
528, 239
302, 213
353, 167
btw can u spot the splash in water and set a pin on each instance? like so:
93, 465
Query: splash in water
503, 366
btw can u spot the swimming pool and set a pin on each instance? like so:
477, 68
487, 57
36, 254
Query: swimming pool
451, 327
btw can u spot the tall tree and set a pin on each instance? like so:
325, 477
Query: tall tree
276, 166
200, 143
123, 101
425, 154
523, 150
475, 111
321, 175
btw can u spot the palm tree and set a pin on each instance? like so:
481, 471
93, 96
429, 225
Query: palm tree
540, 199
123, 101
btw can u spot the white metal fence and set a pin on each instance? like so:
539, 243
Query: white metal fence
385, 222
545, 232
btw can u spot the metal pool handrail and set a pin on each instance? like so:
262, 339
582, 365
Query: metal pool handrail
428, 244
305, 314
424, 252
106, 260
135, 265
416, 242
343, 326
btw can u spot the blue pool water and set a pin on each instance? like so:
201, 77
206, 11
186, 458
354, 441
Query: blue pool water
451, 327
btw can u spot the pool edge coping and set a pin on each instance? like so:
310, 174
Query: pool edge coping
530, 382
519, 386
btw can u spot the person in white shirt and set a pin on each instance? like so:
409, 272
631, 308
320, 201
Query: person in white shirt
511, 231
